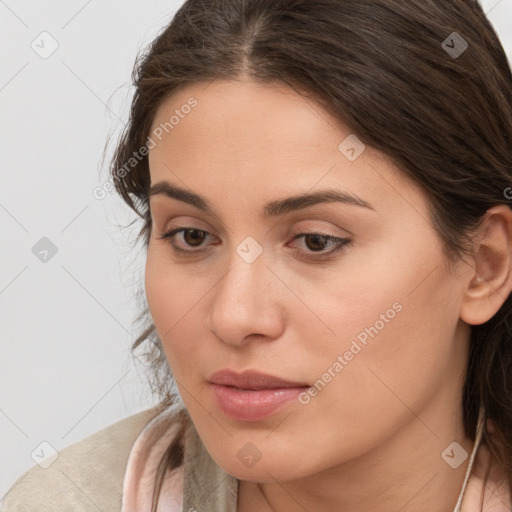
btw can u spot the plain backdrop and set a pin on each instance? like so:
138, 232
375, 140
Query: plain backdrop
69, 273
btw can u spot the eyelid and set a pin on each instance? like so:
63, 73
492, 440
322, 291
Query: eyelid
163, 217
171, 233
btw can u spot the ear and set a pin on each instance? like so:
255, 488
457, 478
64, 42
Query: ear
491, 282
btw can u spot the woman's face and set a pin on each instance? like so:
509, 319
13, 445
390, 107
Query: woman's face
371, 332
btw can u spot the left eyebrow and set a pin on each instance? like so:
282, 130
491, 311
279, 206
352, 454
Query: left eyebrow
293, 203
271, 209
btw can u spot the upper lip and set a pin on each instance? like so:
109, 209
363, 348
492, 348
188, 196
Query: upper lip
251, 379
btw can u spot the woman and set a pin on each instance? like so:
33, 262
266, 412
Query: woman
325, 193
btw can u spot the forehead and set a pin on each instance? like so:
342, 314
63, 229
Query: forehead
266, 141
240, 117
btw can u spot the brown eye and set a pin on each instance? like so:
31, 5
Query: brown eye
317, 241
194, 237
315, 245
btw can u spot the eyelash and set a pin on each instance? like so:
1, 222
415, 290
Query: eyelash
342, 243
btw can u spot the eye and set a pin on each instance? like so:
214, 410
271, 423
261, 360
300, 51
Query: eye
193, 237
315, 242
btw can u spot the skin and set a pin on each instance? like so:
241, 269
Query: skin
372, 438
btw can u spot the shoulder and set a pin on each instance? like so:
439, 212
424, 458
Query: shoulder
87, 475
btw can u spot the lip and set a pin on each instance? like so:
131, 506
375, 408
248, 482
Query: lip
252, 380
252, 395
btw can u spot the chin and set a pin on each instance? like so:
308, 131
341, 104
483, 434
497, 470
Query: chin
268, 469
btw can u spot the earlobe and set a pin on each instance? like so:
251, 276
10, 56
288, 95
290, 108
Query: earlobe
491, 281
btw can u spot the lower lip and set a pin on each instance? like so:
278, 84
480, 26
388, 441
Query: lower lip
246, 405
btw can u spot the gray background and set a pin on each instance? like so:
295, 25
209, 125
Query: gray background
65, 366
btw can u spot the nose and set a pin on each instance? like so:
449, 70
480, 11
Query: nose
245, 304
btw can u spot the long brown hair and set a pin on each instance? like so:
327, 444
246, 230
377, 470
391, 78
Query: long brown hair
425, 81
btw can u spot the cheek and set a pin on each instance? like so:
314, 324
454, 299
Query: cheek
176, 302
392, 377
392, 314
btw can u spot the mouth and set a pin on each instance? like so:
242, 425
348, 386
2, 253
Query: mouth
251, 395
252, 380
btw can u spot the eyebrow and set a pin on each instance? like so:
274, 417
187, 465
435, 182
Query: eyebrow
271, 209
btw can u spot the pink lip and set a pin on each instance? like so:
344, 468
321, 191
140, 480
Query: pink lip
251, 395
